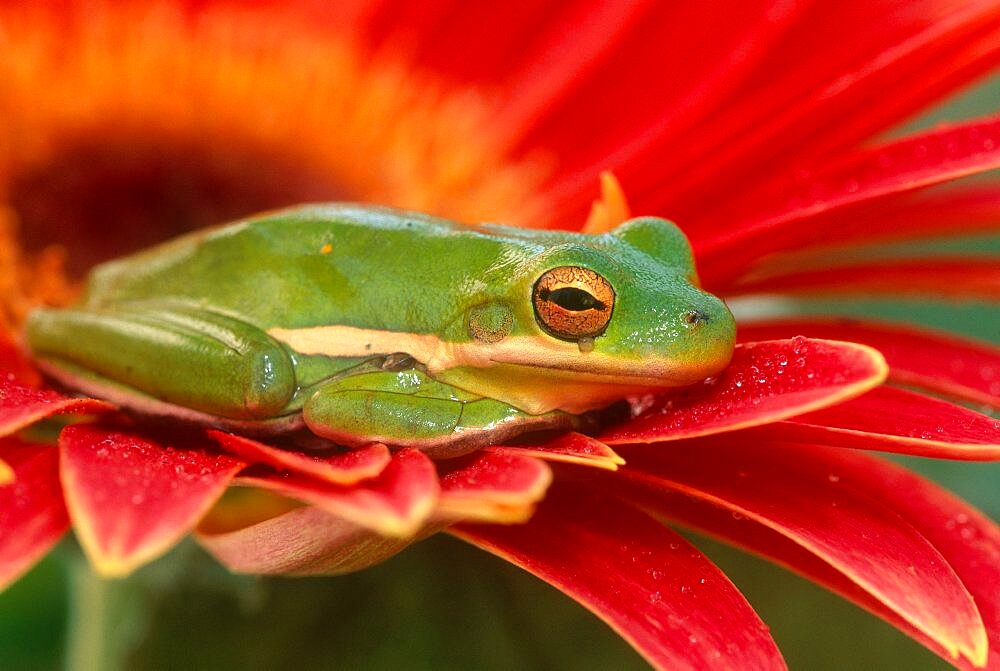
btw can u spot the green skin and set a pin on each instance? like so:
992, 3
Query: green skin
366, 324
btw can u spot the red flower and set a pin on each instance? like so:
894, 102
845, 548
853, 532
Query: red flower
743, 122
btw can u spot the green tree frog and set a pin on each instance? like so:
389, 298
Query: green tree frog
362, 324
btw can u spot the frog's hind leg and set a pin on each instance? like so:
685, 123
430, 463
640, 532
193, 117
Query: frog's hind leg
154, 354
410, 409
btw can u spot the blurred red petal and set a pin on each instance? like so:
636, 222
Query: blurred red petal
341, 468
930, 212
904, 165
967, 278
14, 365
132, 497
832, 69
646, 582
304, 541
572, 448
21, 406
766, 382
938, 362
32, 514
488, 486
826, 513
396, 503
894, 420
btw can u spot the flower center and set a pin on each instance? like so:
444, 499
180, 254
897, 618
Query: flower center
124, 124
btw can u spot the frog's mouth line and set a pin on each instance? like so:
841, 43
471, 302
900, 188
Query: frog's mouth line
553, 358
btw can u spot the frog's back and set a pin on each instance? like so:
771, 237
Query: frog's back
315, 264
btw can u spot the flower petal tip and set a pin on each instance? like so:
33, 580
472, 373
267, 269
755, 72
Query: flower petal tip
492, 486
6, 473
131, 498
766, 382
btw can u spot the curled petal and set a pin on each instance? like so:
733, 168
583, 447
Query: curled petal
304, 541
132, 497
572, 448
396, 503
21, 406
342, 468
766, 382
941, 363
646, 582
894, 420
828, 514
489, 486
32, 514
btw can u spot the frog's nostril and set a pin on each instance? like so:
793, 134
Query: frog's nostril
695, 317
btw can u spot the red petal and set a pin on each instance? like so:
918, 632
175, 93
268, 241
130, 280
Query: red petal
305, 541
572, 448
969, 540
132, 497
893, 420
646, 582
848, 69
22, 406
32, 514
930, 212
488, 486
828, 514
973, 278
14, 363
938, 362
396, 503
904, 165
766, 382
342, 468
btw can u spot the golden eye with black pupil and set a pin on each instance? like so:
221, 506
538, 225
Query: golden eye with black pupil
572, 303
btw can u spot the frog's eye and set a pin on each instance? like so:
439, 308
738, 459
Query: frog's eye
573, 303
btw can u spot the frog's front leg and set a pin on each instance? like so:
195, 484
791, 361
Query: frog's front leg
410, 408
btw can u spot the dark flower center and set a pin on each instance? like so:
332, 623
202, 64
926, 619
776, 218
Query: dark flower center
101, 197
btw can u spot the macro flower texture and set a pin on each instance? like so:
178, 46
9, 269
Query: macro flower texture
764, 128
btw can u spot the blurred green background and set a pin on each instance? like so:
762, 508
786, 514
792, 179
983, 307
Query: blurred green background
444, 605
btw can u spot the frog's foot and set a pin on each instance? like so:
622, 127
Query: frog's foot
410, 409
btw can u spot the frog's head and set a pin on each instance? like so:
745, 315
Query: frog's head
593, 318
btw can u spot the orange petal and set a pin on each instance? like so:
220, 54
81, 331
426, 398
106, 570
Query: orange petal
766, 382
132, 497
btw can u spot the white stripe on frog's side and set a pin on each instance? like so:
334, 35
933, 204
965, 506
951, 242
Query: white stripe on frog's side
542, 353
536, 374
